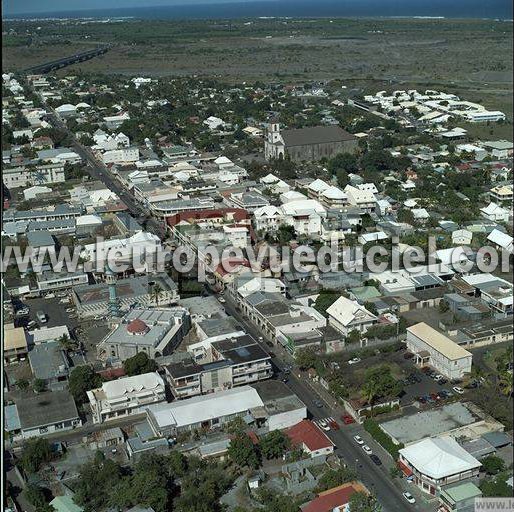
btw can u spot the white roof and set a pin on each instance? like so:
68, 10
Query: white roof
334, 193
439, 457
502, 239
438, 341
420, 213
267, 211
303, 207
318, 185
494, 209
65, 107
222, 160
269, 178
120, 387
50, 333
204, 408
453, 255
88, 219
345, 311
292, 195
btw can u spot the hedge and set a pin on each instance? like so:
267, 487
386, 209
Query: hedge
382, 438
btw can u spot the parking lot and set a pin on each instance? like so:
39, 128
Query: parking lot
54, 310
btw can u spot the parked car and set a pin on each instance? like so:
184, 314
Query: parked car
41, 316
438, 377
318, 403
70, 310
408, 355
347, 419
334, 425
222, 300
367, 449
355, 360
324, 425
358, 440
409, 497
442, 382
375, 459
50, 296
458, 390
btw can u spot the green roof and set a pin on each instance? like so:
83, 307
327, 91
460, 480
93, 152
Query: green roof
365, 292
462, 492
65, 504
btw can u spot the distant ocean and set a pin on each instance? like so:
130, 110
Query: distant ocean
493, 9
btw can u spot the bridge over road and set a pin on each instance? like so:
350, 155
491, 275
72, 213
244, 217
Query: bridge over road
67, 61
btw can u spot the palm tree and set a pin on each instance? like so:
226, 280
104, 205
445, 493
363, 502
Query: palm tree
369, 389
504, 380
157, 292
66, 343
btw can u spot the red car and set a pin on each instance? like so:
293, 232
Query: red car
347, 419
333, 425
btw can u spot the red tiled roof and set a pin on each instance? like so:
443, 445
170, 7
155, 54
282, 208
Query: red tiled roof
310, 435
112, 373
337, 497
237, 214
230, 265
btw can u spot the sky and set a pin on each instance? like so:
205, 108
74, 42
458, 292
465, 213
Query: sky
48, 6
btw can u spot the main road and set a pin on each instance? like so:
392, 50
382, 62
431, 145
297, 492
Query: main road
376, 478
98, 170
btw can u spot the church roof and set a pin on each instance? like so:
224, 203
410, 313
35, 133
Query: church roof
315, 135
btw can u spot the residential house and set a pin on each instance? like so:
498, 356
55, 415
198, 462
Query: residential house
347, 315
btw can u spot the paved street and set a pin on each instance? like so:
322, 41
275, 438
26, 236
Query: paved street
99, 171
377, 479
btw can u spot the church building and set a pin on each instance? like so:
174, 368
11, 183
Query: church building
311, 144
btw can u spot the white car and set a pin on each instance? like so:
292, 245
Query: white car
358, 440
409, 497
50, 296
355, 360
222, 300
324, 425
437, 378
458, 390
367, 450
70, 310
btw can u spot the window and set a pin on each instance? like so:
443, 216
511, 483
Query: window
43, 430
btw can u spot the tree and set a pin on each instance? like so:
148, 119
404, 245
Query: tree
36, 452
443, 306
235, 426
346, 162
353, 336
139, 364
379, 383
66, 343
493, 465
274, 444
496, 488
305, 358
81, 380
150, 485
22, 384
324, 300
39, 385
36, 496
95, 485
243, 452
335, 477
362, 502
157, 292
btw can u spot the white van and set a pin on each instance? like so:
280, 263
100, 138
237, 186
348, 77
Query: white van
41, 316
